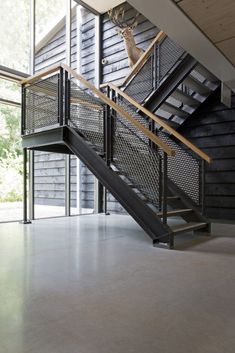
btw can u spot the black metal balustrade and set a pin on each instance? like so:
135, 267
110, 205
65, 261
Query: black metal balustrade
185, 170
165, 56
121, 143
62, 101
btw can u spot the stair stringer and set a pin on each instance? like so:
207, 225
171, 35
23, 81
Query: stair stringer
142, 214
160, 95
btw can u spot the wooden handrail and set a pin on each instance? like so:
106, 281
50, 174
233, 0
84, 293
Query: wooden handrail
120, 111
41, 74
164, 125
152, 137
144, 57
142, 60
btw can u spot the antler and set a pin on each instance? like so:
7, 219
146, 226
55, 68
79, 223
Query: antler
117, 17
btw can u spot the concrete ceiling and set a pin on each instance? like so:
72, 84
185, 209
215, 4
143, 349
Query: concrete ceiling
102, 6
216, 19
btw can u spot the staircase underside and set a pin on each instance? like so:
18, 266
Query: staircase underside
67, 140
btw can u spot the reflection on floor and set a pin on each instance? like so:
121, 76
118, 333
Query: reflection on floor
13, 211
95, 284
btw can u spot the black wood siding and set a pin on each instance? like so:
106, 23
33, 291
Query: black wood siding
116, 69
50, 167
212, 128
54, 51
114, 52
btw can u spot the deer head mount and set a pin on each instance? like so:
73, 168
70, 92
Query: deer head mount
126, 31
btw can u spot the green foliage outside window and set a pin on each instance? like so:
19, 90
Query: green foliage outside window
10, 155
14, 47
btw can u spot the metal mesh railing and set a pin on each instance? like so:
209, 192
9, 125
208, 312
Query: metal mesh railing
131, 109
165, 57
57, 101
169, 54
183, 169
41, 105
87, 116
137, 160
142, 85
132, 155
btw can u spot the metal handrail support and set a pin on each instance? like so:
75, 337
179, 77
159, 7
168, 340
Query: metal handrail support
203, 182
67, 98
164, 190
108, 133
155, 67
61, 97
23, 107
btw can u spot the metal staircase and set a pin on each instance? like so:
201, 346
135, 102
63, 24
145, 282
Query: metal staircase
61, 111
170, 83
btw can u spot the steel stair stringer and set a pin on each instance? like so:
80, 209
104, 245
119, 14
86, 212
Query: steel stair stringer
142, 214
159, 96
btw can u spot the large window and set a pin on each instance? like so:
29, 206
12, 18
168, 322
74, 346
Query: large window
48, 14
50, 171
14, 38
10, 164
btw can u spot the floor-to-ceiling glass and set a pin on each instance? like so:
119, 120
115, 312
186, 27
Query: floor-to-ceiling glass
10, 153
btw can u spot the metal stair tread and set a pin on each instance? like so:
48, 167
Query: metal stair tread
205, 73
174, 110
185, 98
196, 85
177, 212
180, 228
173, 197
169, 122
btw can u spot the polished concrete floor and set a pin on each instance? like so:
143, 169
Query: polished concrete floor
95, 284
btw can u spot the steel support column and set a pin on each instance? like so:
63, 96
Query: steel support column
25, 191
68, 62
32, 71
98, 187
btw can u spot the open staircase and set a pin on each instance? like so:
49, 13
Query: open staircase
169, 82
153, 176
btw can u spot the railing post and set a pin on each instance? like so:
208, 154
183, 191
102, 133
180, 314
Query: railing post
23, 112
203, 175
106, 144
25, 191
157, 54
164, 189
60, 97
67, 98
160, 184
155, 67
108, 132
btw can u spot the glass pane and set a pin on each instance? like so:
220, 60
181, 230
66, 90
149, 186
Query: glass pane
14, 39
10, 91
49, 183
82, 188
48, 14
11, 166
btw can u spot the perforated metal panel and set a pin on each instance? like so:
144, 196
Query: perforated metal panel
183, 169
165, 57
142, 84
133, 155
86, 115
41, 105
169, 54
